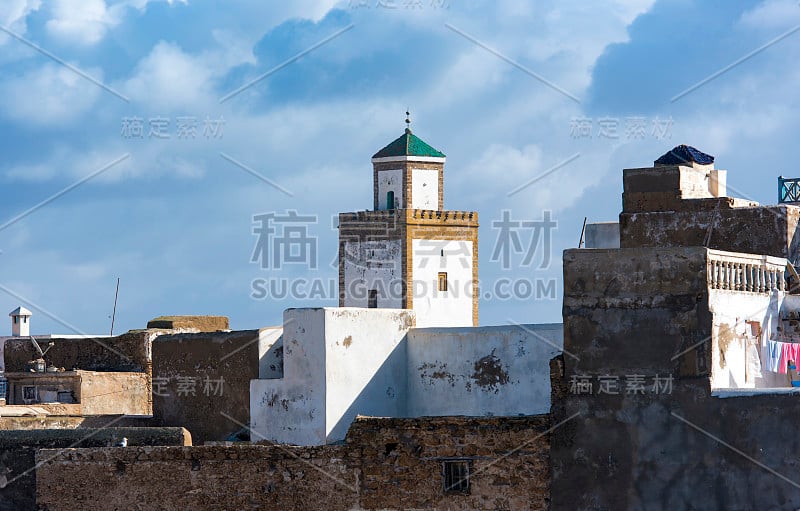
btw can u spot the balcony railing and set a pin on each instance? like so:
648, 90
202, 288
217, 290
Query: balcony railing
746, 272
788, 189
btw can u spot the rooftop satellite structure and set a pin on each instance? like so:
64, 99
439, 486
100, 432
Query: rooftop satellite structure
39, 365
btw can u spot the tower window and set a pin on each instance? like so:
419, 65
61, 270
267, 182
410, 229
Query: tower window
442, 281
373, 299
390, 199
456, 476
16, 319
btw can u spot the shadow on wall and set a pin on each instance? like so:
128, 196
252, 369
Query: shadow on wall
383, 394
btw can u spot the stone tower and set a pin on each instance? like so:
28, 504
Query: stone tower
409, 252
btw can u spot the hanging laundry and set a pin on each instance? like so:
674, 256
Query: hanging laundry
772, 360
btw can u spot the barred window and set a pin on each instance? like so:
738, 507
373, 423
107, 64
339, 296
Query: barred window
456, 476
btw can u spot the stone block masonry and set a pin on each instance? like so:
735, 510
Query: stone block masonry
18, 450
387, 464
198, 377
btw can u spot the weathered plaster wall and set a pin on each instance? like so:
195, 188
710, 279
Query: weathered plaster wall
390, 180
338, 362
374, 264
18, 450
452, 307
646, 312
602, 235
386, 464
425, 188
270, 352
734, 313
365, 369
771, 230
187, 371
496, 370
126, 352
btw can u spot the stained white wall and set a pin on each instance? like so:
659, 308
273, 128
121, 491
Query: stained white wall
338, 363
291, 409
731, 310
433, 307
390, 180
496, 370
365, 366
270, 352
374, 264
424, 189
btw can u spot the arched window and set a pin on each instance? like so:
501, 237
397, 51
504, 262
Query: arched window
390, 199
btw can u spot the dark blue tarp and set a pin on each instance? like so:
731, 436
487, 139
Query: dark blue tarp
683, 154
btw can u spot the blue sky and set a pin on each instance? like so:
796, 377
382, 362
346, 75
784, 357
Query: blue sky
174, 219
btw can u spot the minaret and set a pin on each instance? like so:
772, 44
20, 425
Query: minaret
409, 252
20, 322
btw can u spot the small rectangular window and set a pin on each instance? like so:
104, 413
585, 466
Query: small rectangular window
456, 476
29, 394
442, 281
373, 299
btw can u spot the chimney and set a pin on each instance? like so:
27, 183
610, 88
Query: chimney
20, 322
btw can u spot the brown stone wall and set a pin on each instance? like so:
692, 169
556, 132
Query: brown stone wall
767, 230
186, 370
401, 462
387, 464
126, 352
18, 450
199, 323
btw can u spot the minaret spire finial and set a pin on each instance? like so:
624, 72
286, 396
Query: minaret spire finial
408, 121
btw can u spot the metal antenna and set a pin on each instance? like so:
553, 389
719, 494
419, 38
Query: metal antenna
114, 314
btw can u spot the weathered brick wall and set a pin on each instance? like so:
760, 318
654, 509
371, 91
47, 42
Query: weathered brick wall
18, 450
767, 230
401, 462
200, 378
126, 352
645, 312
387, 464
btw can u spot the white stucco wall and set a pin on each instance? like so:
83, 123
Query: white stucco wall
365, 366
374, 264
731, 310
433, 307
338, 363
291, 409
270, 352
424, 189
390, 180
495, 370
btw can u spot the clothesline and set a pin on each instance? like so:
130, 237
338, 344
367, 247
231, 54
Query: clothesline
778, 354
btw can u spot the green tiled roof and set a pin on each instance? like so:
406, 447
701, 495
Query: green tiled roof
408, 145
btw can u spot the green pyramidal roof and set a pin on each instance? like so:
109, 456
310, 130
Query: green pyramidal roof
408, 145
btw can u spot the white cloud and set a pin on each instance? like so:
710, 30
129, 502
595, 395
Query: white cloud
14, 12
48, 95
82, 22
170, 79
772, 15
